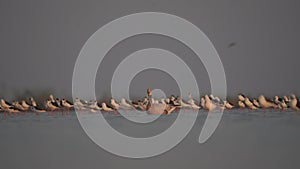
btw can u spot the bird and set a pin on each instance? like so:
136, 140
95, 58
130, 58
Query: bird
66, 104
283, 105
182, 103
228, 105
249, 104
55, 102
36, 106
194, 106
36, 110
167, 100
17, 105
78, 105
114, 104
264, 103
255, 103
140, 105
202, 103
7, 107
157, 108
209, 105
276, 100
232, 44
294, 104
32, 102
5, 104
174, 102
50, 107
105, 108
25, 105
286, 99
241, 104
94, 106
192, 103
125, 105
10, 110
241, 97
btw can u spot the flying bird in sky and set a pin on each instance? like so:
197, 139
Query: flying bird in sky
232, 44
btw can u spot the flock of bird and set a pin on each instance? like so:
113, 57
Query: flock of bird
151, 105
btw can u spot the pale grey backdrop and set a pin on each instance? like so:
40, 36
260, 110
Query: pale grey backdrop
258, 42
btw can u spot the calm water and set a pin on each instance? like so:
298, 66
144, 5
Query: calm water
242, 140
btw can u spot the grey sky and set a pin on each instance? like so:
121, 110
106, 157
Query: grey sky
40, 41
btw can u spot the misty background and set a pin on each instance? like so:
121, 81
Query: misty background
257, 41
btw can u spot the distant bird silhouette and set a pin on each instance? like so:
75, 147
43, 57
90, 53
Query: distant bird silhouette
232, 44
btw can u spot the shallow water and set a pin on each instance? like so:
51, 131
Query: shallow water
242, 140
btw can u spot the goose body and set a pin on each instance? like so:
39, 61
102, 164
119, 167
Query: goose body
94, 106
114, 104
5, 105
255, 103
19, 106
10, 110
66, 104
228, 105
183, 104
157, 108
105, 108
37, 110
78, 105
294, 103
264, 103
249, 104
209, 105
241, 104
125, 105
241, 97
49, 106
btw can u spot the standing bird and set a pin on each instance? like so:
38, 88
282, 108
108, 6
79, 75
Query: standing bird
282, 105
276, 100
249, 104
50, 107
94, 106
192, 103
25, 105
37, 108
209, 105
228, 105
78, 105
7, 107
125, 105
294, 103
54, 102
66, 105
194, 106
286, 99
105, 108
37, 111
158, 108
202, 103
10, 110
182, 103
241, 104
114, 104
19, 106
241, 97
57, 103
32, 102
265, 104
255, 103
